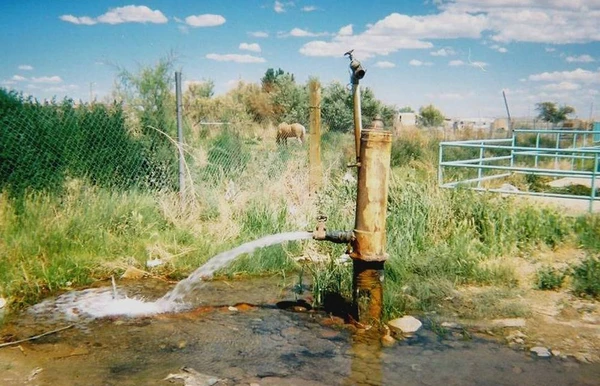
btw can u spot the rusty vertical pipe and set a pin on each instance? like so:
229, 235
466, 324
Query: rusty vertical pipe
357, 117
368, 246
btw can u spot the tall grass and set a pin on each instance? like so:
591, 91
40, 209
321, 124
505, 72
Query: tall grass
437, 238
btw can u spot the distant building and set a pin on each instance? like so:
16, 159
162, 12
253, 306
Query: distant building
471, 123
407, 119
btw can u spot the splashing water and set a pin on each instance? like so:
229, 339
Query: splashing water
206, 271
102, 302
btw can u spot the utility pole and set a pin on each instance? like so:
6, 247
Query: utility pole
510, 128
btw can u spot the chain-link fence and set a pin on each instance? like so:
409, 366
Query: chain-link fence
43, 145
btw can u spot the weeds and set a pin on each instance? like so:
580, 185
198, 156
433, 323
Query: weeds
548, 278
586, 277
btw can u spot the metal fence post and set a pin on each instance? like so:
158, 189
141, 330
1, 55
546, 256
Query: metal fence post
593, 184
180, 136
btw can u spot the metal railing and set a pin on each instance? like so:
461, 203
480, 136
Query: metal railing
475, 163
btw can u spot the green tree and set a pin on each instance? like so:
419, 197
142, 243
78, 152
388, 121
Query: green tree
338, 106
406, 109
148, 95
204, 89
290, 101
431, 116
549, 112
268, 81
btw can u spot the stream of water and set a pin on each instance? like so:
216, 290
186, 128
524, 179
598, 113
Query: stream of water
102, 302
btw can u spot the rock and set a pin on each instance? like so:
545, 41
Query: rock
509, 188
514, 322
406, 325
232, 308
451, 325
2, 303
191, 377
133, 273
387, 341
517, 370
34, 373
154, 263
541, 352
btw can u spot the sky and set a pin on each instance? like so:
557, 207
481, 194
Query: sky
459, 55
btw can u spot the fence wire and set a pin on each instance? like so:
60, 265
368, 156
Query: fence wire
44, 145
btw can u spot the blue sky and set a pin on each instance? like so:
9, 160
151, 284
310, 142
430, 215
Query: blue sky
457, 54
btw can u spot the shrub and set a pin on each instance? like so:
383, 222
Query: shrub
586, 277
548, 278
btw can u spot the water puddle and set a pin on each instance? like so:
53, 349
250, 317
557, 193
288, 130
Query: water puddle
240, 337
251, 332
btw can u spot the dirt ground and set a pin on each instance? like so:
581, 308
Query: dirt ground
565, 324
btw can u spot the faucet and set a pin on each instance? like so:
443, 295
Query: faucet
339, 237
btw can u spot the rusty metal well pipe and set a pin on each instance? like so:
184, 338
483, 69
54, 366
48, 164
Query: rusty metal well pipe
368, 247
357, 118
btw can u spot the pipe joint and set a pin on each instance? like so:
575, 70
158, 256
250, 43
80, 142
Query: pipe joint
339, 237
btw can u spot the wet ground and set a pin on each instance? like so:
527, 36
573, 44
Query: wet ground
238, 336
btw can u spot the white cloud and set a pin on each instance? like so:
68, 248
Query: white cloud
259, 34
235, 58
562, 86
504, 21
278, 7
309, 8
536, 21
254, 47
65, 88
578, 75
301, 33
126, 14
498, 48
479, 64
385, 64
443, 52
418, 63
47, 79
25, 67
8, 82
206, 20
84, 20
397, 31
18, 78
346, 30
580, 59
550, 49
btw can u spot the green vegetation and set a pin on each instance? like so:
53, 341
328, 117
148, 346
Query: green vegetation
586, 277
548, 112
68, 220
548, 278
431, 116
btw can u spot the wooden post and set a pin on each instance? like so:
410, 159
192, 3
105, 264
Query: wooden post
315, 167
